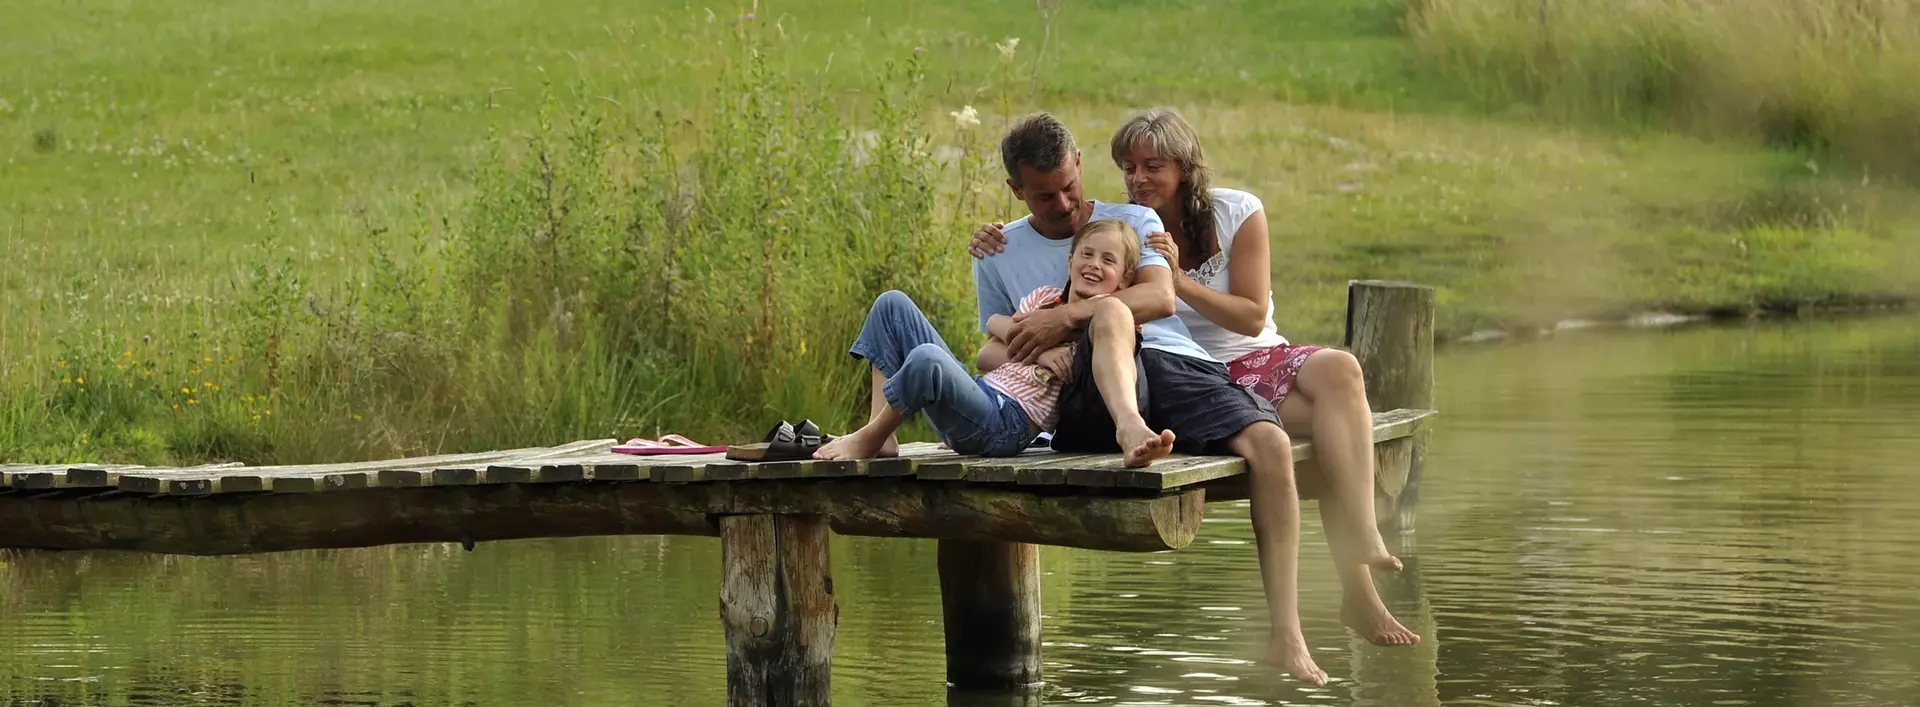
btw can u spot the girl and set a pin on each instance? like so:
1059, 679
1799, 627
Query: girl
996, 414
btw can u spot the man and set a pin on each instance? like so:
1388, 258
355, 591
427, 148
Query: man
1189, 394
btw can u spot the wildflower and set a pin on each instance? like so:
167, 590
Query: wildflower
207, 360
66, 381
916, 50
176, 406
1007, 47
193, 401
966, 117
749, 15
186, 391
127, 354
256, 418
356, 418
213, 387
63, 364
81, 381
269, 412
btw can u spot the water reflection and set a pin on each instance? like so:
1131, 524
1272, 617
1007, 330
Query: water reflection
1714, 516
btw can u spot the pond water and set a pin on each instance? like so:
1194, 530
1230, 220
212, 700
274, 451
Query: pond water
1712, 516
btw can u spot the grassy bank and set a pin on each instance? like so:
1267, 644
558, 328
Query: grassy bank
274, 234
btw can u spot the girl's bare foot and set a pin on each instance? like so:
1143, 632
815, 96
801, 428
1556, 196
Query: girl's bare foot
864, 443
1371, 619
1141, 446
1290, 656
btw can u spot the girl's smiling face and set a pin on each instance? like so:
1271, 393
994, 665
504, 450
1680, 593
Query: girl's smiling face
1099, 264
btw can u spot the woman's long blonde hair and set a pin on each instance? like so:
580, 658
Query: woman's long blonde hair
1170, 137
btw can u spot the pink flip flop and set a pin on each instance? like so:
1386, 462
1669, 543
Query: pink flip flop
670, 444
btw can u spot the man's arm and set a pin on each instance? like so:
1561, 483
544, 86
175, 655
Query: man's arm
1150, 297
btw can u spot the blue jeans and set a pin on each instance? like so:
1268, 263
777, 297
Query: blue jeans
923, 375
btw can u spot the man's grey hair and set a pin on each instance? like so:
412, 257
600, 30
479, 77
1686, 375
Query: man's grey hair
1039, 141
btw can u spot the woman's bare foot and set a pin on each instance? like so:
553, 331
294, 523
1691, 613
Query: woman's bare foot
1369, 618
864, 443
1376, 554
1141, 446
1290, 655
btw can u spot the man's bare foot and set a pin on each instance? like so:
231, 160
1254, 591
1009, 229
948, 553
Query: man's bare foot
864, 443
1290, 655
1369, 618
1141, 446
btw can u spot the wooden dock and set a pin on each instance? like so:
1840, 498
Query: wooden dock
773, 518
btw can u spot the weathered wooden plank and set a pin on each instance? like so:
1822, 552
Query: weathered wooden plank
777, 607
218, 524
905, 464
527, 468
335, 481
198, 480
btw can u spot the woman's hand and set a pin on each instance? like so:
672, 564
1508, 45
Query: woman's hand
1162, 242
988, 239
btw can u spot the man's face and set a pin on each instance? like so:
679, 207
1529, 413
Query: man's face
1053, 196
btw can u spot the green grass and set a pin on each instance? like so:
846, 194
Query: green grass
355, 229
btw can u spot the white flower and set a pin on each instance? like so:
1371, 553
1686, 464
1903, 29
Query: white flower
1006, 48
966, 117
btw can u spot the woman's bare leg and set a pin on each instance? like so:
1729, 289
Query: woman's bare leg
1329, 404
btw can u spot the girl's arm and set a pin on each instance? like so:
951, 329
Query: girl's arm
1000, 326
991, 355
1242, 310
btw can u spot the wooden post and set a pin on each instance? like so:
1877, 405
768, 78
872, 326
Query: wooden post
990, 596
776, 602
1390, 329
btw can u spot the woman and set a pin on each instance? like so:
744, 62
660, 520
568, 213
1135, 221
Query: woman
1224, 284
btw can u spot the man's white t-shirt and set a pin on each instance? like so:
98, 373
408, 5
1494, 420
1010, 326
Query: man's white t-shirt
1231, 208
1031, 260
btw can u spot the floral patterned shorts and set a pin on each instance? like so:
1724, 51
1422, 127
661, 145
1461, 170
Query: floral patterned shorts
1270, 373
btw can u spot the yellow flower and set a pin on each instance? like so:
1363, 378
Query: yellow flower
186, 391
126, 354
356, 418
81, 381
63, 364
256, 418
206, 360
176, 406
193, 401
269, 412
66, 381
213, 387
206, 384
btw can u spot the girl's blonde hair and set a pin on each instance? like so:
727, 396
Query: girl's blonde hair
1129, 242
1169, 136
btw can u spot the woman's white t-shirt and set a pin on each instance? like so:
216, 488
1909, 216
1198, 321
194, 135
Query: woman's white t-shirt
1231, 207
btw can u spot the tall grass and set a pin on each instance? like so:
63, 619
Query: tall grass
1823, 75
622, 269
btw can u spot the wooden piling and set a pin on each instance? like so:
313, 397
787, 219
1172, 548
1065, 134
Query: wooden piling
777, 605
1390, 330
990, 597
